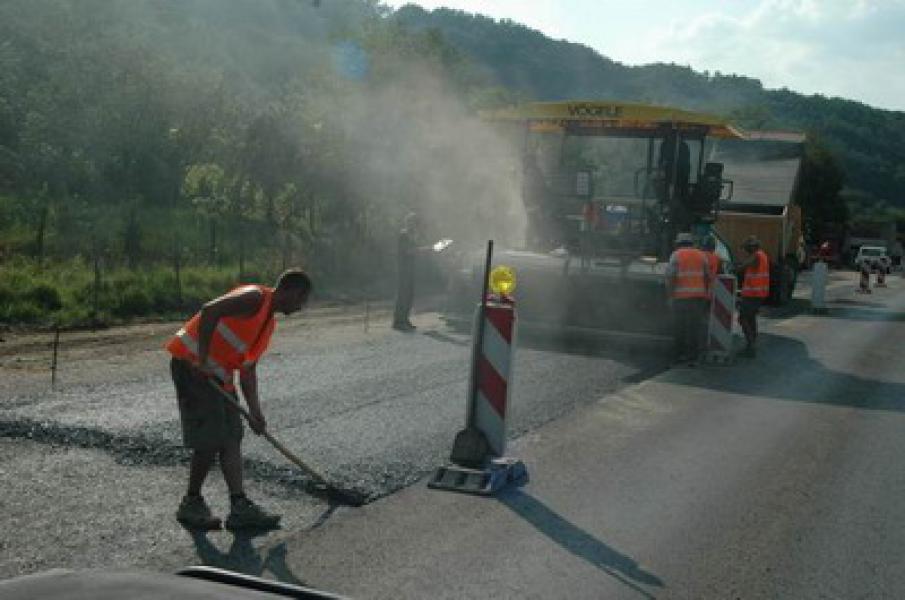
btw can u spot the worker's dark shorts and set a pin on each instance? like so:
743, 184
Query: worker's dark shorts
748, 307
207, 422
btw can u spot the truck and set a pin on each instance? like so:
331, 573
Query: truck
871, 233
875, 257
764, 170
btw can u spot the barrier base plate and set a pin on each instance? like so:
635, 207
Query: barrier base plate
714, 357
499, 473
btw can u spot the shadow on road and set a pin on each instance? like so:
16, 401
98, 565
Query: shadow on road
648, 354
579, 542
863, 308
243, 557
786, 371
443, 337
865, 313
646, 357
856, 302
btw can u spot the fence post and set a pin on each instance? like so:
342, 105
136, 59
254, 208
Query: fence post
177, 267
53, 361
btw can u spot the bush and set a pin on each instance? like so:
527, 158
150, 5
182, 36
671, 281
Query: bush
134, 302
21, 312
63, 292
79, 316
6, 296
83, 295
45, 296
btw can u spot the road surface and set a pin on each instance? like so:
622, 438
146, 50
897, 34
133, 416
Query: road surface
777, 477
95, 465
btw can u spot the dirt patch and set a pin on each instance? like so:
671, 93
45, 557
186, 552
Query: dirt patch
88, 357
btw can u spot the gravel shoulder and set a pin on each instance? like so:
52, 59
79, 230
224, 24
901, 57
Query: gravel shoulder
92, 357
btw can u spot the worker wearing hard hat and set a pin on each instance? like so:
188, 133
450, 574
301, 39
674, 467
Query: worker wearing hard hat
708, 246
755, 289
688, 286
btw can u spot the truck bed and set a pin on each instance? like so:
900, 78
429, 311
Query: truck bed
778, 234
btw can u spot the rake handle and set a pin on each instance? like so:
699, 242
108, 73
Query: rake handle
273, 441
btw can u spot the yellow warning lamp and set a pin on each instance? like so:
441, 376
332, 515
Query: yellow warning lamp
502, 280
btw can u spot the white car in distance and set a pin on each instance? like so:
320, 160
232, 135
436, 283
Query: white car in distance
874, 256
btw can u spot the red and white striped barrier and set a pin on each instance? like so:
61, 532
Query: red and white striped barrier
492, 365
881, 277
864, 283
722, 314
478, 462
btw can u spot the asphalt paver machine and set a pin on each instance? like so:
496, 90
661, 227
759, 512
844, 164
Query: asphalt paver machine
606, 187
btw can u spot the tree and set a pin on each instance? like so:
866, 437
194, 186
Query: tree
820, 182
205, 186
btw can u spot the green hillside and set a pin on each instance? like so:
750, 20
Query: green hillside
154, 152
869, 141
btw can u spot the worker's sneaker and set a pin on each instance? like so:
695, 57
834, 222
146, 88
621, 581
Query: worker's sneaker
748, 352
681, 360
404, 326
194, 513
245, 514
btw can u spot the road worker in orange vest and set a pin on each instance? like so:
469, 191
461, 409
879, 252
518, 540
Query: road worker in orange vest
708, 246
228, 334
755, 290
688, 286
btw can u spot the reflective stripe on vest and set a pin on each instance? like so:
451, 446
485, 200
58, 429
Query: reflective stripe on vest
757, 278
690, 278
192, 347
237, 342
231, 338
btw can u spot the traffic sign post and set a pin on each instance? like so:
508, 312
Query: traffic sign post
478, 462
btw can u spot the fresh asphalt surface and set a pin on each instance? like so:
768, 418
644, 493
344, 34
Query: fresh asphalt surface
774, 478
778, 477
97, 463
373, 411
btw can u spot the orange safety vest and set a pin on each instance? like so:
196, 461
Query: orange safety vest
757, 278
237, 342
690, 277
713, 261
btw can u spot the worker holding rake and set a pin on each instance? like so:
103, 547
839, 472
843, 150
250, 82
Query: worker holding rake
228, 334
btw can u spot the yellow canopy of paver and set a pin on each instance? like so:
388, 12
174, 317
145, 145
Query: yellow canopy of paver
602, 117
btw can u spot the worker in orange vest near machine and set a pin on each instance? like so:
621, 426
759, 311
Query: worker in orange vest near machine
228, 334
688, 286
708, 246
755, 290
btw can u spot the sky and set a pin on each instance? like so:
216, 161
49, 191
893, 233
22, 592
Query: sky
849, 48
